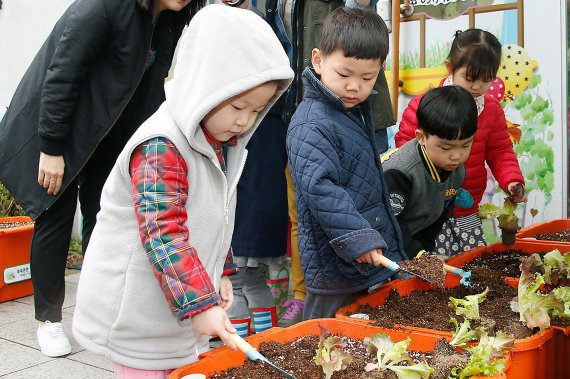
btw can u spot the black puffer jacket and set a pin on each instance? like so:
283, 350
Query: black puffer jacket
78, 87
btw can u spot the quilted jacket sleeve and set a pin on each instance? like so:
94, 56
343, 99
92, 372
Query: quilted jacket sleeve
408, 124
316, 168
499, 152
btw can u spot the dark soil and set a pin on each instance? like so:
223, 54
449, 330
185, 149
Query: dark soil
9, 225
429, 309
505, 263
563, 235
428, 266
445, 358
297, 358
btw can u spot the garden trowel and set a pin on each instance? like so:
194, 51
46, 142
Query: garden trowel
255, 355
465, 275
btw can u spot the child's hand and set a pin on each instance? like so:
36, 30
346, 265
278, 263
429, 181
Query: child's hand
516, 192
226, 293
214, 322
373, 257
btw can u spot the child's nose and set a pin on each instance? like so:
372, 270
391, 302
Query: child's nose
352, 85
242, 119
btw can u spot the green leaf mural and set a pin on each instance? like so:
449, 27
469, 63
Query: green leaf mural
536, 157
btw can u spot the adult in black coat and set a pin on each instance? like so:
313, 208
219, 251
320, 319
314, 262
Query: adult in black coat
97, 77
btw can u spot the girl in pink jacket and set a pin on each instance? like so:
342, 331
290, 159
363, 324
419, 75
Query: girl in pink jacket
473, 63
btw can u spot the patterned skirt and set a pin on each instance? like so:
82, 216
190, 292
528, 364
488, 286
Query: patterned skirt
458, 235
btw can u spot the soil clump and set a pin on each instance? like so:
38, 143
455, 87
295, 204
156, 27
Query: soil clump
428, 266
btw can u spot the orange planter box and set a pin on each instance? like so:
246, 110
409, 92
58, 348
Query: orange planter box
533, 357
15, 259
527, 234
223, 358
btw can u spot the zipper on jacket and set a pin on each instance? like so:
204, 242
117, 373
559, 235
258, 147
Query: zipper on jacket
233, 188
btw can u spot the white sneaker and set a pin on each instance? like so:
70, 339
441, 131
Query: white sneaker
52, 340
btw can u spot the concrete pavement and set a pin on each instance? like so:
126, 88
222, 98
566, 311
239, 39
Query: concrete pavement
20, 356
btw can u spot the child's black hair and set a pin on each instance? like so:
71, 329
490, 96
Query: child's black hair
448, 112
477, 50
358, 33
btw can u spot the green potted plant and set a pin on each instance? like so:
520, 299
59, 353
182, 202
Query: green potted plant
508, 220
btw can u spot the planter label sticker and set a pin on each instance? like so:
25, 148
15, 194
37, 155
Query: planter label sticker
17, 274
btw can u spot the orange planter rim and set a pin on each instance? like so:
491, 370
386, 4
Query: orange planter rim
17, 229
546, 227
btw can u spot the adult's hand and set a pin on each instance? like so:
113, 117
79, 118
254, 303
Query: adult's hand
50, 172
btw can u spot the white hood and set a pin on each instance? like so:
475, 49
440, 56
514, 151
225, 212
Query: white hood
224, 52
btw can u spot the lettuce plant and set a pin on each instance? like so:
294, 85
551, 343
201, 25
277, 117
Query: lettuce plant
508, 220
485, 355
469, 306
463, 333
330, 354
389, 355
540, 293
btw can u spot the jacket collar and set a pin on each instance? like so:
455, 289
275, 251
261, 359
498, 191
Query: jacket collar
315, 89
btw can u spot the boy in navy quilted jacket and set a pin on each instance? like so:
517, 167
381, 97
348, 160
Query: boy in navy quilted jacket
345, 220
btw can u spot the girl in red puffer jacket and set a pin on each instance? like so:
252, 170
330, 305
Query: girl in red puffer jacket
473, 63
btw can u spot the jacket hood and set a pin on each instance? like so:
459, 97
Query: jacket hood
224, 52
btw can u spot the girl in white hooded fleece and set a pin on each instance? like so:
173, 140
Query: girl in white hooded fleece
154, 283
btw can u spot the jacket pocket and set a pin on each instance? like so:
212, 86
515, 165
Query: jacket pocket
376, 217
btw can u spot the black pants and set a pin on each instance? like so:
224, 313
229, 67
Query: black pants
52, 230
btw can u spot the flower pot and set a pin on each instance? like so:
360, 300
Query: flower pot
553, 226
531, 358
223, 358
15, 259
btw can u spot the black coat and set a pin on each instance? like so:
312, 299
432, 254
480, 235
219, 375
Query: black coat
81, 84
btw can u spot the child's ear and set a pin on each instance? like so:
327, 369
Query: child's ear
420, 136
316, 60
448, 66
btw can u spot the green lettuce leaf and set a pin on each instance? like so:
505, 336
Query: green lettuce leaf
462, 334
390, 354
469, 306
484, 355
562, 294
535, 307
330, 355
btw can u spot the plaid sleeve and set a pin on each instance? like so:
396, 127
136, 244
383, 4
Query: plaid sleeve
230, 267
160, 187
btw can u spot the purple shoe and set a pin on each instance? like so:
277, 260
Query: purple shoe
293, 313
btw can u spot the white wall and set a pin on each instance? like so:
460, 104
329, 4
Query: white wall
24, 25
